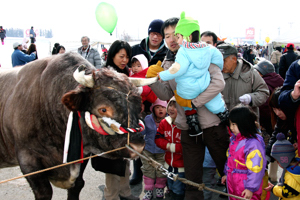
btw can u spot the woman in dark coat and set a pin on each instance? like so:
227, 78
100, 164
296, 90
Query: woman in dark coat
2, 34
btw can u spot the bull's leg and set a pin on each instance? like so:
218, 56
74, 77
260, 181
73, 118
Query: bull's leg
73, 193
39, 183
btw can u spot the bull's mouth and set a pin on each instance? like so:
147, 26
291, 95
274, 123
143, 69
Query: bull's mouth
108, 126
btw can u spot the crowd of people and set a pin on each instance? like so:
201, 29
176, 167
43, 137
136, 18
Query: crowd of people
216, 109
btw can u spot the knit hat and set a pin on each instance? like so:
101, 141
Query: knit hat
284, 152
155, 26
142, 59
158, 102
264, 67
186, 25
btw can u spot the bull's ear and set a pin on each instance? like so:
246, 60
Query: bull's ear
74, 100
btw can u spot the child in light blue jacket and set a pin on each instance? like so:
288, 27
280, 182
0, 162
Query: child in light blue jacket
190, 71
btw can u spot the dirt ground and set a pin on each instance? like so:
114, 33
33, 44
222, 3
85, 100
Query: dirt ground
93, 190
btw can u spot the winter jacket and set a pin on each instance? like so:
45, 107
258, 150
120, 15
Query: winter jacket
147, 93
273, 81
19, 58
291, 188
292, 76
143, 48
169, 134
285, 61
275, 57
246, 164
164, 90
150, 133
193, 77
2, 33
92, 56
245, 80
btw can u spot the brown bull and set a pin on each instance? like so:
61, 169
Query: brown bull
33, 118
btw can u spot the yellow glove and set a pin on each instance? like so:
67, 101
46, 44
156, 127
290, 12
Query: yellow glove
182, 102
154, 70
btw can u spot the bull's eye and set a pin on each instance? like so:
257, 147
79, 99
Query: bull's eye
105, 111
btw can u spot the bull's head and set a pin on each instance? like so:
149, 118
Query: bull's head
111, 105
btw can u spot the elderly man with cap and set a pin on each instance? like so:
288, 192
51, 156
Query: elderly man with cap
19, 58
153, 47
287, 59
273, 80
243, 84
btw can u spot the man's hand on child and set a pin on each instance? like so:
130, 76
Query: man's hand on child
223, 180
154, 70
270, 186
247, 194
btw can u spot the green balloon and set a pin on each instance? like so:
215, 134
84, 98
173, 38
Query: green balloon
106, 16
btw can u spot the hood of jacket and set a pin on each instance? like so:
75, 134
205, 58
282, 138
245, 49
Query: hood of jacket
273, 80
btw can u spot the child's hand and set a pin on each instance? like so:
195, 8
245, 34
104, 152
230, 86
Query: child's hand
223, 180
270, 186
247, 194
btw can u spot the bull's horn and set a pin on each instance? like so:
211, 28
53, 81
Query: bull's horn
142, 81
80, 77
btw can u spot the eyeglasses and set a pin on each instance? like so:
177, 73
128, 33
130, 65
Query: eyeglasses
155, 34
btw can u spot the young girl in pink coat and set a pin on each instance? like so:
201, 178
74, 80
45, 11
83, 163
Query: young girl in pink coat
246, 160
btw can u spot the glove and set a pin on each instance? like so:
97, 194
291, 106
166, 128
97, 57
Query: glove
154, 70
140, 90
245, 99
181, 101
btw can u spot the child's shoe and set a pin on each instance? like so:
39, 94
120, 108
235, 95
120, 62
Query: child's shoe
159, 193
224, 117
148, 195
192, 121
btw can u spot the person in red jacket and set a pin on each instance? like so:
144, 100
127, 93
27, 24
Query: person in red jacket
168, 138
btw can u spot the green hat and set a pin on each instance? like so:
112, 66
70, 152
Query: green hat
186, 25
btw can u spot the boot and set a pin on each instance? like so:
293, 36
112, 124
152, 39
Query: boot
148, 195
192, 121
159, 193
137, 176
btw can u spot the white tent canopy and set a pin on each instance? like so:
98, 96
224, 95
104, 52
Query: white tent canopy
292, 36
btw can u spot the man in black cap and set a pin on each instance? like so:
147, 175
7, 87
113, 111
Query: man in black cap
153, 46
243, 83
287, 59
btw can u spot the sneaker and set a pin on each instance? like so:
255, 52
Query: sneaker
148, 195
224, 116
159, 193
194, 127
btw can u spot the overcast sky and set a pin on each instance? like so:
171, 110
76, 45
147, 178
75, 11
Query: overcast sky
70, 20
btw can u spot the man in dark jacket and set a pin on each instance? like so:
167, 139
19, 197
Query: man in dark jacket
287, 59
267, 71
153, 46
